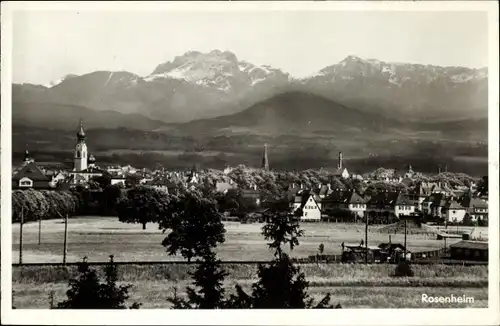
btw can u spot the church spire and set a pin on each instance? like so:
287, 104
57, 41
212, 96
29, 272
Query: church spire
265, 161
81, 131
27, 156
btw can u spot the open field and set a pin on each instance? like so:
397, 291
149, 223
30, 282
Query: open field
354, 286
99, 237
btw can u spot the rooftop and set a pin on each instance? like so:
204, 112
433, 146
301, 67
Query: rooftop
465, 244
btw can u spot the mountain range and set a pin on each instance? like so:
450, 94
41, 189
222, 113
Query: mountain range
206, 85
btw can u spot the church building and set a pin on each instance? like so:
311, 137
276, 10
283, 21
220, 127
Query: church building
341, 171
84, 164
265, 160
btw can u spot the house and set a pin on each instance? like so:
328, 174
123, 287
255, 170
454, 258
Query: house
57, 178
382, 204
420, 194
324, 190
357, 177
469, 250
193, 177
227, 169
224, 186
341, 173
31, 176
454, 212
477, 208
310, 205
114, 169
348, 200
83, 176
118, 179
160, 183
129, 169
434, 205
252, 196
404, 205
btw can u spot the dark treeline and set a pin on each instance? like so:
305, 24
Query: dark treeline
149, 149
302, 159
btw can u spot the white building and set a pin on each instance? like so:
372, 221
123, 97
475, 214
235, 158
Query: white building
454, 212
310, 205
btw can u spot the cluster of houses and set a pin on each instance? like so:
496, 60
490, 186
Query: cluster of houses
428, 198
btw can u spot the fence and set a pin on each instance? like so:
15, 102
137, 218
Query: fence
424, 258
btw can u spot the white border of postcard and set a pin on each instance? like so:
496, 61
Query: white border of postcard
486, 316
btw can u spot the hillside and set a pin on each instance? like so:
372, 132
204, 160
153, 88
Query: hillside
293, 113
308, 115
66, 117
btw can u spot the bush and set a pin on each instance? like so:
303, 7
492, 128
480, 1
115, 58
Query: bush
87, 292
403, 269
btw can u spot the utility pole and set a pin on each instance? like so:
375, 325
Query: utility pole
405, 238
366, 239
65, 238
21, 237
39, 230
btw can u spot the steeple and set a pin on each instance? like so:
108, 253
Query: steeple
80, 156
81, 133
27, 157
339, 166
265, 161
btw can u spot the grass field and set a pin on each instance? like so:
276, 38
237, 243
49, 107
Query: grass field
99, 237
354, 286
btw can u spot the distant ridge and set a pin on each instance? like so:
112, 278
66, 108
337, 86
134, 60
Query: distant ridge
200, 85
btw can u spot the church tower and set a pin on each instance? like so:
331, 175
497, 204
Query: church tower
265, 161
80, 157
340, 163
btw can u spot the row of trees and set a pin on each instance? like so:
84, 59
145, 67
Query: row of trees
35, 205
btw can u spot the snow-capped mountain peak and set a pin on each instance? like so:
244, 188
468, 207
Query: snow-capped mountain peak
60, 80
219, 70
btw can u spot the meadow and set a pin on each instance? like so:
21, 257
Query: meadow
99, 237
354, 286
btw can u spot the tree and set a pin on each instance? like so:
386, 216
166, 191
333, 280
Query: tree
109, 199
467, 220
143, 205
208, 290
87, 292
42, 204
282, 228
132, 180
281, 284
321, 249
196, 228
403, 269
103, 181
194, 223
482, 186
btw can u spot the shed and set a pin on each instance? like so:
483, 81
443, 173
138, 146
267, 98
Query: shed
469, 250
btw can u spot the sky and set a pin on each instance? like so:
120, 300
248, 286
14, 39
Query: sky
48, 45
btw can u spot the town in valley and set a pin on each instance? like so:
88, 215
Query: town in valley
262, 167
